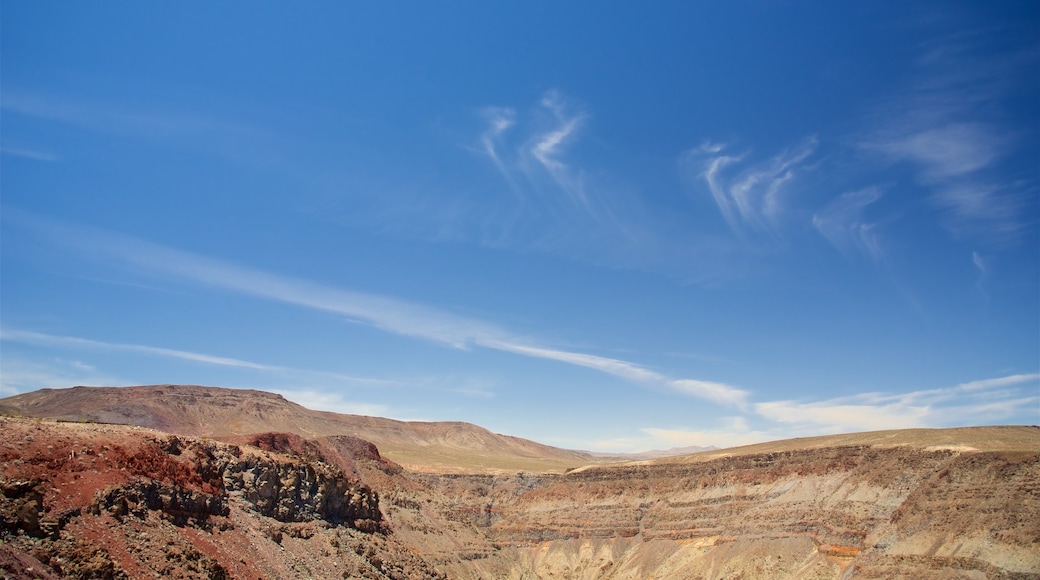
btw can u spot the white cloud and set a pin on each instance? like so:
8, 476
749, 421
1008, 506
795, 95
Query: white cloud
50, 340
728, 432
944, 128
751, 195
999, 382
981, 412
540, 155
980, 262
547, 148
946, 151
499, 120
387, 314
845, 417
549, 144
952, 158
39, 338
21, 375
562, 206
214, 134
720, 393
333, 402
29, 154
619, 368
975, 402
712, 176
723, 438
842, 222
974, 208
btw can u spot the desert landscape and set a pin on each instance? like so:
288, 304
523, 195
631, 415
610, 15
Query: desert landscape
174, 481
520, 290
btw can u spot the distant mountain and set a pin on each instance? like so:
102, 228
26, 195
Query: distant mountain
652, 454
224, 413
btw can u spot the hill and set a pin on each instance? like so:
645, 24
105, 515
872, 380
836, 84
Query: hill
257, 486
224, 413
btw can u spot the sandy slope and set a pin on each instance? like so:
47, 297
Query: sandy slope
218, 412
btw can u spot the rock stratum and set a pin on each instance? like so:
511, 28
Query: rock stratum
87, 500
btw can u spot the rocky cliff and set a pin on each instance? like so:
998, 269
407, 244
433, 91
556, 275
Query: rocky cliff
93, 501
860, 511
102, 501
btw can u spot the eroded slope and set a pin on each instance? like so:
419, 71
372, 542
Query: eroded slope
220, 412
93, 501
102, 501
872, 511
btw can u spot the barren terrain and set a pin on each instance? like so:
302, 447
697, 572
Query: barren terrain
217, 412
83, 500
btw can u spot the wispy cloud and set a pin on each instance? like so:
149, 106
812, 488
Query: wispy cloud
32, 154
748, 194
720, 393
996, 382
843, 224
548, 198
982, 267
546, 195
993, 211
725, 432
710, 170
731, 436
50, 340
619, 368
953, 159
840, 416
39, 338
971, 403
385, 313
499, 120
21, 375
108, 118
534, 163
947, 151
974, 402
333, 402
943, 127
213, 134
980, 264
548, 147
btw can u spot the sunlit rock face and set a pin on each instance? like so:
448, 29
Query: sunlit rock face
87, 500
818, 513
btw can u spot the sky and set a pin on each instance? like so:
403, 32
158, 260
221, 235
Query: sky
611, 226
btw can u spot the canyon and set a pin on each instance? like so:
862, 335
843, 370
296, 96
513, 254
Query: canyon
195, 482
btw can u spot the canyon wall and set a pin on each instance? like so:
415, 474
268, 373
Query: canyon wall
851, 511
97, 501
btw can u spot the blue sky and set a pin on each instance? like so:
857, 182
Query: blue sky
608, 226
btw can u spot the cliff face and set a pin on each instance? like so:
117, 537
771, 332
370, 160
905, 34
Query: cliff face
90, 501
814, 514
94, 501
833, 512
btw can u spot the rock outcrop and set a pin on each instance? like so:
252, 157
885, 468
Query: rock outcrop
80, 500
93, 501
237, 413
833, 512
